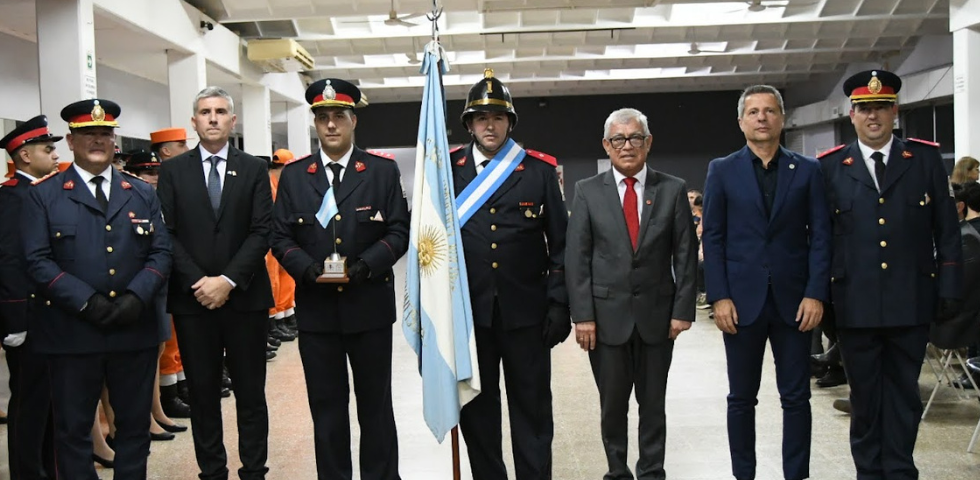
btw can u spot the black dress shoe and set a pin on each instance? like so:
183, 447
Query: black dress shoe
172, 405
183, 392
829, 358
291, 324
105, 462
273, 341
842, 405
225, 392
817, 371
277, 333
835, 376
270, 347
269, 356
175, 428
163, 436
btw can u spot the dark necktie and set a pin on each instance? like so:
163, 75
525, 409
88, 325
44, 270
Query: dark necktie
99, 193
483, 165
629, 211
879, 159
214, 183
335, 168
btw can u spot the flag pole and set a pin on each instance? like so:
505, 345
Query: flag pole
455, 434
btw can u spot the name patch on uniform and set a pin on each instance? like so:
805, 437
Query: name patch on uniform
526, 204
362, 209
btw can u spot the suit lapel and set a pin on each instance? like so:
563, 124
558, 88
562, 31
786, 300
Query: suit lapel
465, 173
352, 177
746, 174
319, 180
118, 196
230, 183
649, 193
897, 164
857, 169
196, 182
610, 194
80, 192
784, 179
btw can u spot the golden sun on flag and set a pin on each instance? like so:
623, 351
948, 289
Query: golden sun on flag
432, 249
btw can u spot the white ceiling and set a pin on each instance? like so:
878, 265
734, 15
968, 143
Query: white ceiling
550, 47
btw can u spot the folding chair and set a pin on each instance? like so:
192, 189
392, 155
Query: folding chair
973, 371
941, 367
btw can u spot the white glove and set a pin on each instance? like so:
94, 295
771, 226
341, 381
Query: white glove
15, 339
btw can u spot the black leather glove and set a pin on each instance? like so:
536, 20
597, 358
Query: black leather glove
129, 307
313, 272
947, 308
557, 325
98, 311
358, 272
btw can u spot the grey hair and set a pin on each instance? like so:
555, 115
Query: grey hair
754, 89
211, 92
625, 115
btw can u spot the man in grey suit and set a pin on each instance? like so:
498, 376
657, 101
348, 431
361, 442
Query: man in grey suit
631, 270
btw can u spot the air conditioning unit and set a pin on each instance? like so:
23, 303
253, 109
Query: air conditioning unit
279, 55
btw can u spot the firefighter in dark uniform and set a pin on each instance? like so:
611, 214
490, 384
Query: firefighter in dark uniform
98, 252
514, 244
29, 437
896, 268
342, 199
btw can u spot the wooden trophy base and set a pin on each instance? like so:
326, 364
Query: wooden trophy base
328, 279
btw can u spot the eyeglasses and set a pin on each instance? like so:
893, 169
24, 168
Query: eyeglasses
619, 141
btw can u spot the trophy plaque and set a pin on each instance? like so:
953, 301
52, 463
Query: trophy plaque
334, 270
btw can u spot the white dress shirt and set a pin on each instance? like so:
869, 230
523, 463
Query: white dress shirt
206, 165
343, 163
869, 162
87, 178
641, 179
478, 159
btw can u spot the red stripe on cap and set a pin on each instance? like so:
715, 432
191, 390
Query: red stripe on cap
866, 91
88, 118
19, 140
339, 98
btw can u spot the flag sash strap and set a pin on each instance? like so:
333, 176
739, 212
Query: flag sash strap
489, 180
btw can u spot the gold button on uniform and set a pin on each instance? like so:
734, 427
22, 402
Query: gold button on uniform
493, 210
108, 249
112, 294
108, 228
494, 264
338, 241
299, 221
933, 275
57, 234
112, 271
340, 289
884, 266
493, 245
881, 221
837, 212
922, 203
493, 228
881, 200
47, 302
337, 218
883, 244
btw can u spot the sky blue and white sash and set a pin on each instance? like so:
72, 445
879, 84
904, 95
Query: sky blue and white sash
489, 180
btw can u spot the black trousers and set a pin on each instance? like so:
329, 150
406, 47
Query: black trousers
883, 366
617, 370
527, 373
76, 385
30, 430
240, 338
325, 357
791, 351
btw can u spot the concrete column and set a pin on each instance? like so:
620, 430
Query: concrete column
66, 49
186, 76
298, 119
256, 119
966, 91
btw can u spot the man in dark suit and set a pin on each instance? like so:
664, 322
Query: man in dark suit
513, 220
344, 200
766, 247
218, 206
98, 253
632, 287
896, 267
29, 436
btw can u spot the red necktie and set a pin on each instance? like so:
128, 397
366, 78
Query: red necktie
629, 211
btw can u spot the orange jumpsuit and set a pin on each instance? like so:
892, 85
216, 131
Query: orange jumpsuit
283, 286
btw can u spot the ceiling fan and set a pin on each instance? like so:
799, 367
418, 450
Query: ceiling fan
394, 19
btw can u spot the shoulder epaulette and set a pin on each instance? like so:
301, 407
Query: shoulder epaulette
832, 150
297, 161
132, 175
925, 142
381, 154
456, 149
10, 183
544, 157
35, 182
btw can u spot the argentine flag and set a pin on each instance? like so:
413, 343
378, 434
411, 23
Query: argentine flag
438, 317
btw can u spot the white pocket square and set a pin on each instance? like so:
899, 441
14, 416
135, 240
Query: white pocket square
377, 217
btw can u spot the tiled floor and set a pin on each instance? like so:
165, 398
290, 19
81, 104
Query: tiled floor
697, 445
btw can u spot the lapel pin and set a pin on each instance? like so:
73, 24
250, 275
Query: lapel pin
312, 168
848, 161
792, 166
69, 185
232, 173
461, 162
520, 167
649, 202
132, 214
360, 167
126, 185
906, 154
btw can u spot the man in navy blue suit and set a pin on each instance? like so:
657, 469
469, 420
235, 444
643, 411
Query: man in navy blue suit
98, 253
766, 248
